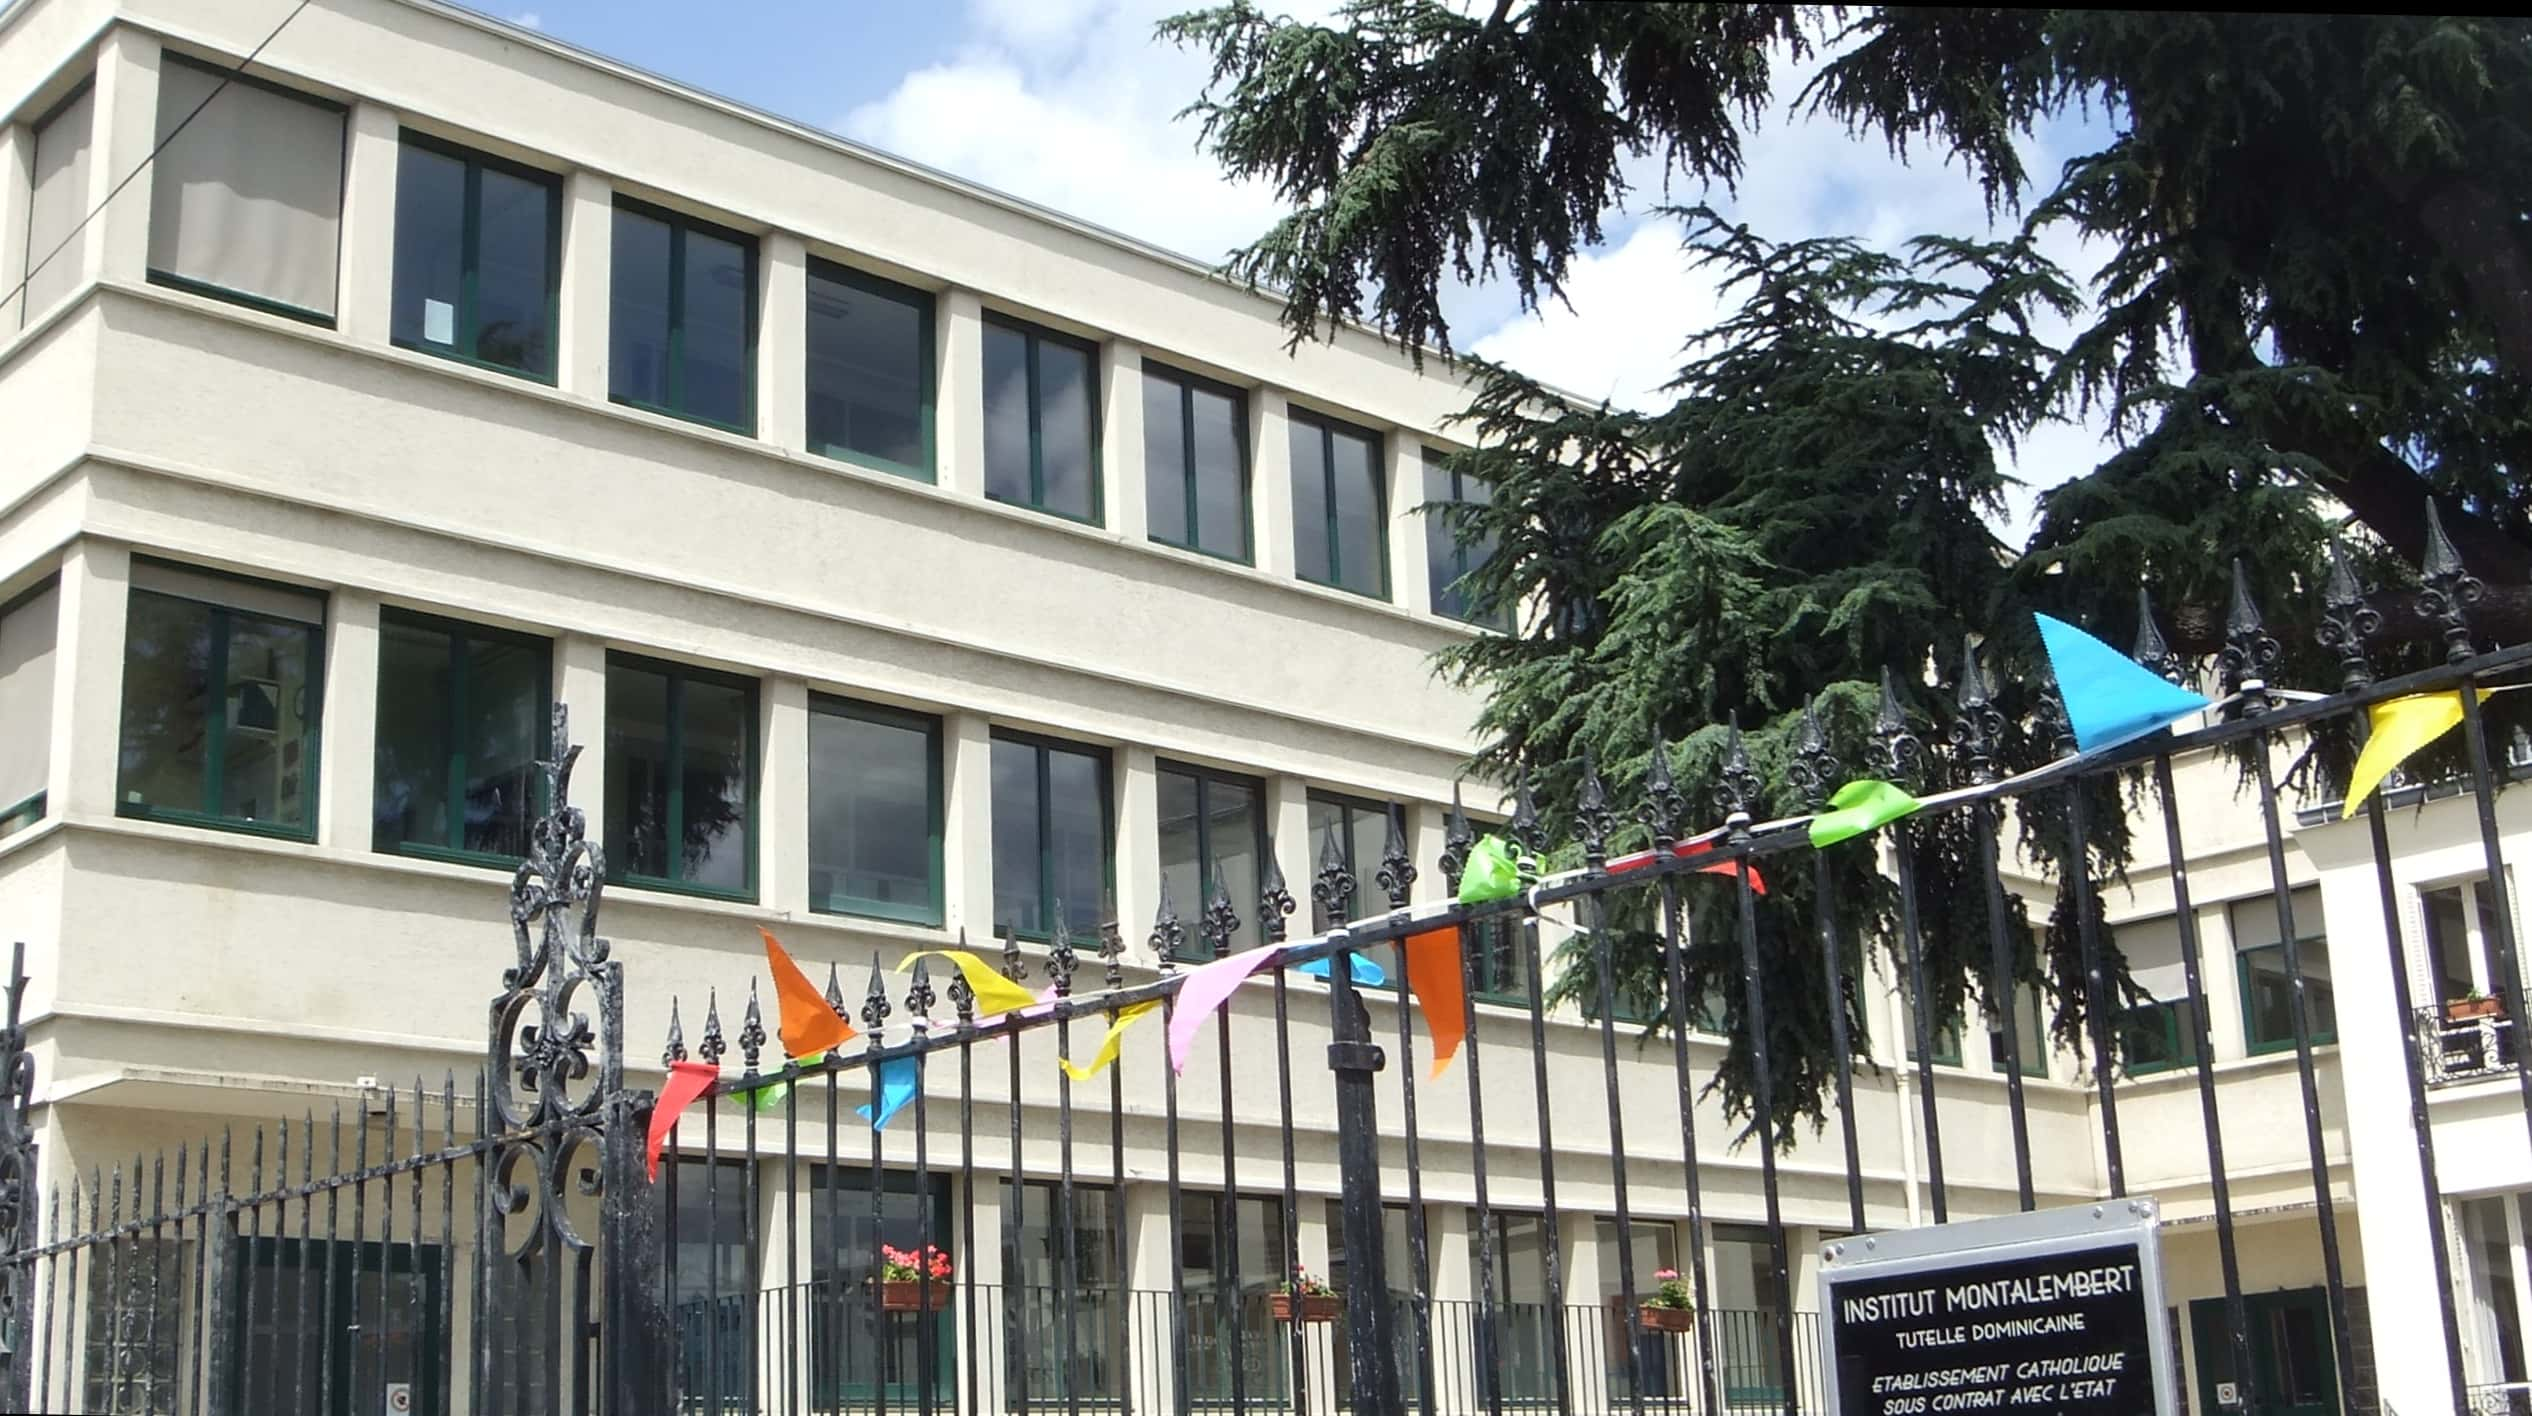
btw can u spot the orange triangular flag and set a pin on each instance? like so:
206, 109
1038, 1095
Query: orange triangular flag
1433, 974
810, 1025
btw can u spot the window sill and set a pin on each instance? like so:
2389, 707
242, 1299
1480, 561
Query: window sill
841, 907
203, 821
654, 885
1377, 597
490, 366
745, 430
1095, 521
258, 303
903, 471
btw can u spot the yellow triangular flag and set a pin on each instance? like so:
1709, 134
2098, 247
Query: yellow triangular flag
994, 993
2401, 727
1109, 1045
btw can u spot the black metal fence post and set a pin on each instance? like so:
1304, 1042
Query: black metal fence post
17, 1193
1371, 1351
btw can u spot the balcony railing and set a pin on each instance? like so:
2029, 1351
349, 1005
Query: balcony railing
2501, 1399
828, 1350
2463, 1049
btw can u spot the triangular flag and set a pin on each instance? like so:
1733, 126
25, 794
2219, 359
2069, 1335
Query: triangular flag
810, 1025
686, 1082
1493, 872
1206, 989
2109, 697
768, 1099
1729, 869
1860, 806
2401, 726
994, 993
1367, 970
1433, 976
1110, 1045
896, 1088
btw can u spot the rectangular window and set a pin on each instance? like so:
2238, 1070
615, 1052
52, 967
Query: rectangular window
1499, 957
2030, 1033
844, 1257
874, 811
1195, 463
318, 1316
1398, 1271
1662, 1357
1361, 831
870, 370
1751, 1303
2268, 999
681, 333
1947, 1042
27, 629
462, 716
1052, 838
681, 778
478, 257
57, 201
221, 683
1445, 486
1036, 1264
1211, 823
2449, 952
1041, 420
1224, 1297
1526, 1328
1340, 506
247, 202
2162, 1033
711, 1296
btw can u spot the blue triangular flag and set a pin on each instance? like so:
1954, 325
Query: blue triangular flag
896, 1088
1366, 973
2109, 697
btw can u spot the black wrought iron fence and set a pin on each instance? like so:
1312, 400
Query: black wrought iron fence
496, 1246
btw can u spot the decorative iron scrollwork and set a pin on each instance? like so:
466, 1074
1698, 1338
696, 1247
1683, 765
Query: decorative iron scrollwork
17, 1188
550, 1070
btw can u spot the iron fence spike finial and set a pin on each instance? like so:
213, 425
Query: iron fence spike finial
919, 993
1736, 781
2151, 652
2347, 621
1333, 888
676, 1049
2250, 651
1221, 918
2446, 588
1060, 958
875, 1004
1112, 949
1524, 825
1812, 766
1274, 899
751, 1038
1663, 805
1458, 838
1900, 753
1397, 865
1169, 932
1591, 811
712, 1048
835, 990
1014, 967
1975, 731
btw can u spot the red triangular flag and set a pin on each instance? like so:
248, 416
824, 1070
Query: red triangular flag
810, 1025
686, 1081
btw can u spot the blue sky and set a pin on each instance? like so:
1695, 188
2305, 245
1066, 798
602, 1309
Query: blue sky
1070, 103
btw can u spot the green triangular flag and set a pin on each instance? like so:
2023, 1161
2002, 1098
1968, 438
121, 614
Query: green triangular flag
1858, 807
1493, 873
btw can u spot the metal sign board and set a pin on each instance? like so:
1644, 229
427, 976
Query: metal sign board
2054, 1313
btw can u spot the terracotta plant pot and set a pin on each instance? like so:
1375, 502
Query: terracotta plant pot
2464, 1010
907, 1295
1657, 1319
1314, 1307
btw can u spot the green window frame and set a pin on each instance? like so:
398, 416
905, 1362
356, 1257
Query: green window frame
844, 1258
1163, 385
1632, 1006
194, 285
1093, 1307
2031, 1030
677, 677
1450, 562
33, 613
1034, 339
1266, 1365
2262, 967
455, 711
931, 910
2157, 1037
218, 731
1206, 783
1361, 827
1947, 1043
277, 1276
467, 324
861, 283
1042, 827
1310, 427
680, 227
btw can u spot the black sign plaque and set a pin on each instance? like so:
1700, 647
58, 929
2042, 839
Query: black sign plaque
2057, 1313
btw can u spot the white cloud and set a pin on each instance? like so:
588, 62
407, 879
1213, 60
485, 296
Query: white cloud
1072, 104
528, 19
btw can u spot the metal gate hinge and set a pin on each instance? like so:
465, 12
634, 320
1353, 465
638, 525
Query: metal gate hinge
1356, 1057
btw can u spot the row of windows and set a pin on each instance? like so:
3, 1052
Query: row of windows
247, 203
222, 712
2163, 1034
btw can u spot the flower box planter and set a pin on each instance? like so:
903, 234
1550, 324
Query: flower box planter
2464, 1010
1312, 1307
908, 1295
1659, 1319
